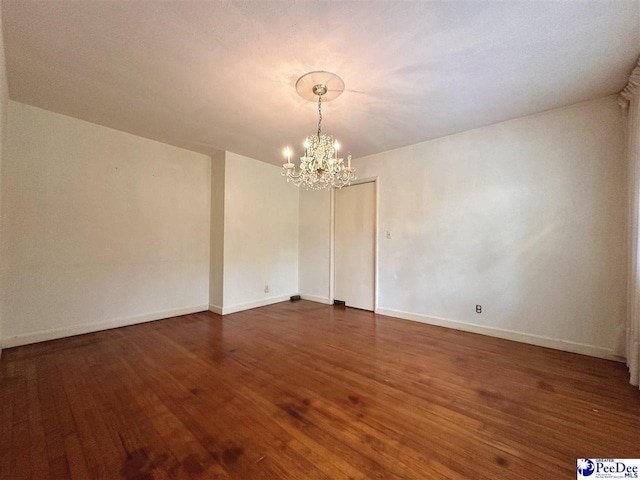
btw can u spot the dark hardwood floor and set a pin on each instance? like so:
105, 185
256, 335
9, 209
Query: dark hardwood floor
303, 390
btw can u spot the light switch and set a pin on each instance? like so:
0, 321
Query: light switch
389, 234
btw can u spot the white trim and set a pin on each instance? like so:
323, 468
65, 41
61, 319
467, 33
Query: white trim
215, 309
314, 298
376, 245
55, 333
332, 244
259, 303
555, 343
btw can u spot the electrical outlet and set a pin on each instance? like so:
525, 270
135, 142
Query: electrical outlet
478, 308
266, 289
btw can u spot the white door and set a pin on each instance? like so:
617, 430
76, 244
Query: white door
355, 230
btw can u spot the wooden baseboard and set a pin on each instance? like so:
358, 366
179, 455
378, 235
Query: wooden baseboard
259, 303
215, 309
53, 334
314, 298
555, 343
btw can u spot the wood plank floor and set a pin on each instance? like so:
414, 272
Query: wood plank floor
306, 391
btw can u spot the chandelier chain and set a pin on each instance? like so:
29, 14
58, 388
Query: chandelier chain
319, 114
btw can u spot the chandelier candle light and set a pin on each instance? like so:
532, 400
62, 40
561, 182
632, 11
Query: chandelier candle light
320, 166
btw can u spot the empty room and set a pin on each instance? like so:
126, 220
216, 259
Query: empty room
319, 239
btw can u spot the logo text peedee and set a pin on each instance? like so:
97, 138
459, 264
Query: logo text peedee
617, 467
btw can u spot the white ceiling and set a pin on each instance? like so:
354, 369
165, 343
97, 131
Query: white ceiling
221, 75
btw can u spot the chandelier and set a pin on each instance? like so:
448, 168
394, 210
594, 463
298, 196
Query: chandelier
320, 166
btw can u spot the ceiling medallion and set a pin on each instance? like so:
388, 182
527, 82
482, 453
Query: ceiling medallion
320, 166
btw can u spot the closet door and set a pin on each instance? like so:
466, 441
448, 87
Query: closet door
355, 229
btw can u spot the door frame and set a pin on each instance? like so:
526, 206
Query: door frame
332, 247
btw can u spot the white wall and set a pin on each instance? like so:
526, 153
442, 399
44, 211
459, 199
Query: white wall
101, 228
526, 218
216, 252
4, 101
315, 230
260, 234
